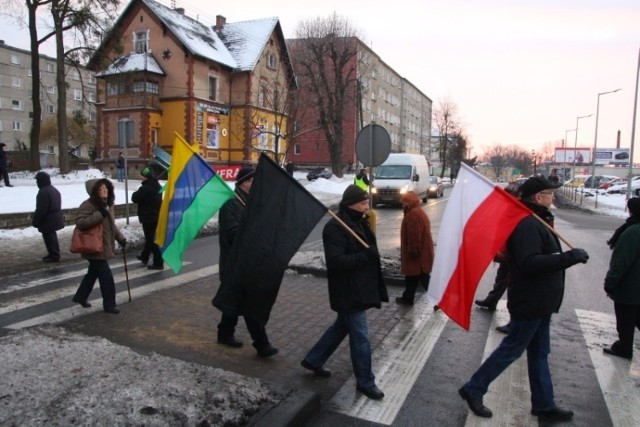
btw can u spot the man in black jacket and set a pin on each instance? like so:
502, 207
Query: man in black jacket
355, 285
3, 166
229, 222
536, 266
48, 217
149, 200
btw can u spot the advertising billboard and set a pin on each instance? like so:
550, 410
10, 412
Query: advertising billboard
566, 155
612, 156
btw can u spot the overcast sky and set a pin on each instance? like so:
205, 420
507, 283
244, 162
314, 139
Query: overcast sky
520, 72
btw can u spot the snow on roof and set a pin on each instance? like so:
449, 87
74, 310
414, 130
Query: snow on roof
133, 62
198, 38
246, 40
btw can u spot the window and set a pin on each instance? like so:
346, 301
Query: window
112, 89
77, 94
92, 79
91, 97
76, 75
17, 126
213, 88
271, 61
29, 73
262, 96
51, 89
296, 149
16, 82
50, 149
124, 88
49, 67
141, 41
92, 116
15, 60
49, 109
16, 104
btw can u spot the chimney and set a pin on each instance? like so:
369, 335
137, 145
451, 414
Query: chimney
221, 21
618, 140
180, 10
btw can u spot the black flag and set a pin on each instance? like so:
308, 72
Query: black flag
279, 215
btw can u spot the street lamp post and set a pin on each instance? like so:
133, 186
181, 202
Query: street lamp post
595, 146
575, 147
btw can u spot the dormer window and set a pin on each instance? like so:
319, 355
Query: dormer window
141, 41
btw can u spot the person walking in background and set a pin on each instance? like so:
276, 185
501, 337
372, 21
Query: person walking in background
502, 275
120, 167
622, 282
4, 165
229, 222
361, 179
416, 247
290, 168
149, 200
355, 285
48, 217
536, 288
98, 209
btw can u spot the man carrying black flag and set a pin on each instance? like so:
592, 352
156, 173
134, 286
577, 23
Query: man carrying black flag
278, 216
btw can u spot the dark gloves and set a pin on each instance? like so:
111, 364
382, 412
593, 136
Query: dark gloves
608, 286
579, 255
372, 254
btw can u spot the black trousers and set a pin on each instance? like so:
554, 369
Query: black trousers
500, 285
227, 327
627, 319
98, 269
411, 284
51, 243
149, 231
5, 175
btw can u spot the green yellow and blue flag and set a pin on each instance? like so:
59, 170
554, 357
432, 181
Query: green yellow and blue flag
193, 194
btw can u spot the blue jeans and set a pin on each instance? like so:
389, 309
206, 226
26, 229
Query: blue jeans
532, 335
354, 325
120, 174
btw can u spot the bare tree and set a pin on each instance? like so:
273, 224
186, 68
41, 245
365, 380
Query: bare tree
520, 159
496, 156
447, 124
325, 55
85, 21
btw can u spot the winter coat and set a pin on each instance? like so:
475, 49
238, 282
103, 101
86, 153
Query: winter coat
536, 266
622, 282
355, 282
48, 216
228, 223
3, 159
416, 243
149, 200
89, 215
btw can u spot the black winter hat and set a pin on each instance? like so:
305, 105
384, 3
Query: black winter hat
352, 195
244, 174
534, 185
633, 204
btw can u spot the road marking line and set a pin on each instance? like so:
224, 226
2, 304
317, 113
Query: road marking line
398, 361
57, 278
619, 378
66, 291
121, 297
509, 396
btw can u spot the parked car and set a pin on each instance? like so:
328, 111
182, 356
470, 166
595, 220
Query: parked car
436, 187
622, 188
611, 183
446, 181
600, 179
320, 172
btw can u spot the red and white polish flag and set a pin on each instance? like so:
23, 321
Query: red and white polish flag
477, 222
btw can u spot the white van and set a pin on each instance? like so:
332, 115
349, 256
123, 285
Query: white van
401, 172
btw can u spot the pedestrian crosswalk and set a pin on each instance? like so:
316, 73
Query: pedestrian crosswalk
407, 349
28, 293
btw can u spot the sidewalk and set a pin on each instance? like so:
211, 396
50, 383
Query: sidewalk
176, 373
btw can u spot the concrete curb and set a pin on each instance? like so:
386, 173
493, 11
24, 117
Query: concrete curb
297, 407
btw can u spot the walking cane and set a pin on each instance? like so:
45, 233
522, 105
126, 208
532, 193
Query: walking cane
126, 271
